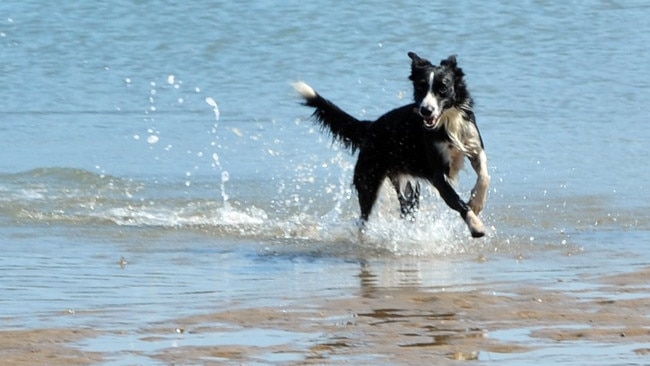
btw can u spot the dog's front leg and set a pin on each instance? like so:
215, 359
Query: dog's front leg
479, 192
452, 199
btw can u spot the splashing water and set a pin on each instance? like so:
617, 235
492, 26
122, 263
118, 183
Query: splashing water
225, 176
215, 108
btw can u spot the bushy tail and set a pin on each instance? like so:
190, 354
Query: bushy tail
345, 129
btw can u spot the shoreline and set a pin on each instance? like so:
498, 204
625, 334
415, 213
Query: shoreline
392, 325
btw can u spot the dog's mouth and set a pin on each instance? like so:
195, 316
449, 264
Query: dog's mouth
430, 122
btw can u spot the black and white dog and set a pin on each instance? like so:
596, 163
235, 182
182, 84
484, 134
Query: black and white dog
427, 139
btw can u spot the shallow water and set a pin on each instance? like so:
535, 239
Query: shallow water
158, 165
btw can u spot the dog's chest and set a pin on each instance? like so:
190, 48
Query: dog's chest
451, 157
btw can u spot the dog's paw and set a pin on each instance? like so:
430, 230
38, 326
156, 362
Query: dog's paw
475, 225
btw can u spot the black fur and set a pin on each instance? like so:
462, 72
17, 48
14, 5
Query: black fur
400, 142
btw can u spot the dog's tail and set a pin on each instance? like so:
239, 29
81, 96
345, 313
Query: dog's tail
345, 129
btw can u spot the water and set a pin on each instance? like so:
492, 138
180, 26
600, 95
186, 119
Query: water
168, 134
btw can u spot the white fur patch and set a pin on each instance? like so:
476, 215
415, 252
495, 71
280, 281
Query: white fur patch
430, 102
305, 90
464, 141
463, 134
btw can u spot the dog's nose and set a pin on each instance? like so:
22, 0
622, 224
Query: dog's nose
425, 112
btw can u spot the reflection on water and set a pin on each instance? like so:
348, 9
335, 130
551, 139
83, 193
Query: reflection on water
186, 300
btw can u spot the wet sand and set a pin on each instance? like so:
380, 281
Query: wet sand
495, 322
45, 347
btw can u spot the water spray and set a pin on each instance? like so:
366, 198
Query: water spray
225, 176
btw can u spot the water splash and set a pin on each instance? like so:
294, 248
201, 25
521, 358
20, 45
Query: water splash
225, 176
211, 102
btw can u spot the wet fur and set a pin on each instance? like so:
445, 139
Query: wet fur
428, 139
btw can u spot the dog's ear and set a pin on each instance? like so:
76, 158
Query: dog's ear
417, 64
414, 57
450, 61
452, 64
418, 61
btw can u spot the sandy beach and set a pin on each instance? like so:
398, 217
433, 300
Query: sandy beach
495, 323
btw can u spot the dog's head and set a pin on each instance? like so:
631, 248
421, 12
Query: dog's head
436, 88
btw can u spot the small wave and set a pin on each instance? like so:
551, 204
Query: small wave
325, 220
183, 217
54, 174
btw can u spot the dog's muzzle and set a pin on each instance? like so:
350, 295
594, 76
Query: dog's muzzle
430, 120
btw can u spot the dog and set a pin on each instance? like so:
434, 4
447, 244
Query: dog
427, 139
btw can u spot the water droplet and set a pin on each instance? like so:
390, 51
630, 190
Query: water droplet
211, 102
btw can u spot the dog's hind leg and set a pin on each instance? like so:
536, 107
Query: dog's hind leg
368, 178
367, 190
408, 195
453, 200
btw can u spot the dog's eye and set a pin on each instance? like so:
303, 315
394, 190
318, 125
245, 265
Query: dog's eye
422, 85
442, 90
